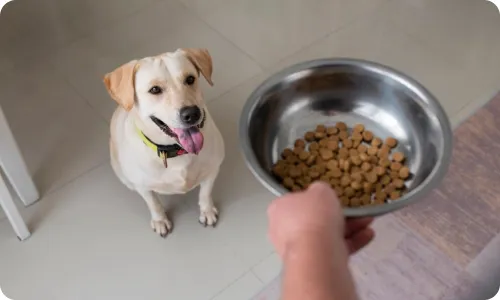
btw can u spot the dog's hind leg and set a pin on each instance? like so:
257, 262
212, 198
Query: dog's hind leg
208, 211
159, 221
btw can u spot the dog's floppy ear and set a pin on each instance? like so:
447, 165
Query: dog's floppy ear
120, 84
202, 60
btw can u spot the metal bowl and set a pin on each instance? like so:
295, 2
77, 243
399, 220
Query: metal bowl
326, 91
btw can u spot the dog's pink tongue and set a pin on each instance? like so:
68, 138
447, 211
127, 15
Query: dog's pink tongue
191, 139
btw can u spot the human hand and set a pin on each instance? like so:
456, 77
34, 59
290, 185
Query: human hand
315, 214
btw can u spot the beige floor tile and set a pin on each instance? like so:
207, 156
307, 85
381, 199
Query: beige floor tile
268, 269
464, 33
30, 30
92, 240
161, 27
60, 136
243, 289
378, 40
271, 30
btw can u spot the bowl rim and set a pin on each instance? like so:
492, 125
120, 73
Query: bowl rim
433, 179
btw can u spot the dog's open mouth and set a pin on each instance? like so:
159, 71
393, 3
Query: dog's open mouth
191, 138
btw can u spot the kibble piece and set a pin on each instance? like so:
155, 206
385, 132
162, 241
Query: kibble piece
320, 128
357, 176
287, 152
319, 135
332, 145
377, 142
292, 159
385, 180
356, 160
341, 126
311, 159
364, 156
366, 199
332, 130
367, 187
372, 151
300, 143
399, 183
324, 178
356, 143
379, 170
349, 191
386, 163
391, 142
394, 174
380, 196
346, 166
395, 195
345, 180
295, 172
404, 173
357, 136
347, 143
383, 153
296, 188
326, 154
314, 146
371, 177
309, 136
297, 150
398, 156
332, 164
362, 149
355, 169
355, 202
379, 187
389, 188
288, 182
359, 128
304, 155
279, 171
345, 201
367, 136
395, 166
373, 160
336, 173
356, 185
314, 174
366, 166
353, 152
343, 153
323, 143
343, 135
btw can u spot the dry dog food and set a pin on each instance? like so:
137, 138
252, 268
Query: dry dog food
361, 168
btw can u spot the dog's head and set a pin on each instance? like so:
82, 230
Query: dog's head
164, 90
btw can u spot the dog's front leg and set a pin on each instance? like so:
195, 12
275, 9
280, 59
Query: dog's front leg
159, 221
208, 211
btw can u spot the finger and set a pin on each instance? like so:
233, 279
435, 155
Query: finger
352, 226
360, 240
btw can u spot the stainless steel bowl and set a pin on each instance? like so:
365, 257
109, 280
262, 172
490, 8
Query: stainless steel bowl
326, 91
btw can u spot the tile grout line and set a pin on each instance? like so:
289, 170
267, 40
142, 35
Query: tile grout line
192, 12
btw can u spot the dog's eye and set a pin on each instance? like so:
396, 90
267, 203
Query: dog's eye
155, 90
190, 80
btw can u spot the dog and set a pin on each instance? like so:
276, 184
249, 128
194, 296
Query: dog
163, 139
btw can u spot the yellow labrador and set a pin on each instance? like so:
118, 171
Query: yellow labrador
163, 140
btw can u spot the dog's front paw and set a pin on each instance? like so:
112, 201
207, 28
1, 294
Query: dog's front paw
163, 227
209, 216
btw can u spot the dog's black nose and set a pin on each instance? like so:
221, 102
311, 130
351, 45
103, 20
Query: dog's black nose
190, 115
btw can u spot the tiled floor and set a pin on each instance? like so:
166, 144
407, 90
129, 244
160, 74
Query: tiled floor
91, 237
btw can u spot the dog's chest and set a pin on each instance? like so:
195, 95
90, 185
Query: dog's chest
181, 175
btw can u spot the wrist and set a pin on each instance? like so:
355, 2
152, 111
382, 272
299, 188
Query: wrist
313, 244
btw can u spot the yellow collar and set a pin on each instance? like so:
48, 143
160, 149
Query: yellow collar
163, 151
